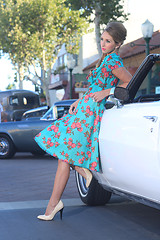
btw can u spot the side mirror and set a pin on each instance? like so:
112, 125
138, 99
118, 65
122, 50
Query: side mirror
121, 94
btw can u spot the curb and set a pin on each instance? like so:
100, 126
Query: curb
37, 204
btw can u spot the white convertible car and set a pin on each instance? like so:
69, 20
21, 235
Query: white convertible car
129, 144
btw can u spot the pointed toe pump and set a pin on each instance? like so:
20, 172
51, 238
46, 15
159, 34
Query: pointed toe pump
89, 176
58, 208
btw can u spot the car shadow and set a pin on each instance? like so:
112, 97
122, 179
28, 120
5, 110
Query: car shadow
30, 156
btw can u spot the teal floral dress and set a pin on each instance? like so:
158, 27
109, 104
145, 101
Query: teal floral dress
74, 138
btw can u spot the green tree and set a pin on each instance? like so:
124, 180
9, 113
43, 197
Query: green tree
10, 86
100, 12
33, 31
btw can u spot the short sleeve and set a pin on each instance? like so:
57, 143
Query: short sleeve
112, 62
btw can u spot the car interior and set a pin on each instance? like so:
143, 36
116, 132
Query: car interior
133, 92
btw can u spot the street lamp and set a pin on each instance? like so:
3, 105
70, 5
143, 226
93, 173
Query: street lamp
147, 31
70, 65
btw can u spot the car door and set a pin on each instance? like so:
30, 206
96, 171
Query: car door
24, 132
23, 135
130, 148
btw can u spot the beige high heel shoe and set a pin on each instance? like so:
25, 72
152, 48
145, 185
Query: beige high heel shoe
58, 208
89, 177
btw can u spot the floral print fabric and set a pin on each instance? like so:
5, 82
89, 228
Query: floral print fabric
74, 138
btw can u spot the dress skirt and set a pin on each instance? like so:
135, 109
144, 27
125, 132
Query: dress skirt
74, 138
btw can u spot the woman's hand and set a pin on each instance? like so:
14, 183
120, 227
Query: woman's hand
73, 106
98, 96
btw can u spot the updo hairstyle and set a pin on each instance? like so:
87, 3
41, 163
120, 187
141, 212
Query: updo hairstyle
118, 32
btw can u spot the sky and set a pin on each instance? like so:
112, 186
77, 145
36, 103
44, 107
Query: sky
7, 73
140, 11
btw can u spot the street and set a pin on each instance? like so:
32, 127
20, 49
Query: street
25, 186
26, 177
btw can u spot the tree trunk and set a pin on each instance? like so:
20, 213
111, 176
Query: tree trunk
97, 27
45, 77
21, 76
45, 88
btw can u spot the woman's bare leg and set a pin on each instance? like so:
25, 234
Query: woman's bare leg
61, 179
80, 171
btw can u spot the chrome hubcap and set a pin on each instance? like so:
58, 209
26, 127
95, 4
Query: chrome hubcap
82, 185
4, 146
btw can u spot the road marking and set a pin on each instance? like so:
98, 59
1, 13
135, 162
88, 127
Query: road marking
37, 204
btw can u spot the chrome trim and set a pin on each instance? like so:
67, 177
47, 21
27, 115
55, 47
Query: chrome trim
152, 118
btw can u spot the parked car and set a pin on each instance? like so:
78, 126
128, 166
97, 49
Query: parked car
129, 143
16, 102
35, 113
19, 136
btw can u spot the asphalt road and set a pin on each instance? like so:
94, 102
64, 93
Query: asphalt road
26, 177
25, 186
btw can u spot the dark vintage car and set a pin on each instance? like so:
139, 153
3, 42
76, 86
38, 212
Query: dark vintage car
16, 102
19, 136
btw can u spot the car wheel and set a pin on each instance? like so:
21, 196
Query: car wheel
95, 194
7, 149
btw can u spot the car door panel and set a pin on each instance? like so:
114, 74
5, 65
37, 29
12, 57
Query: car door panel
129, 148
26, 131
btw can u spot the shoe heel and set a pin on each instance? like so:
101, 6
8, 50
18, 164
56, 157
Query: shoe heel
61, 213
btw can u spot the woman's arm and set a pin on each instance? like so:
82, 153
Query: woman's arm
123, 75
120, 73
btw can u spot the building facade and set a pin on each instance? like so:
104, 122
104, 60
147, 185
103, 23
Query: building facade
86, 60
60, 77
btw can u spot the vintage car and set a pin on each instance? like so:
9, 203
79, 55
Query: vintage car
19, 136
129, 143
15, 102
35, 113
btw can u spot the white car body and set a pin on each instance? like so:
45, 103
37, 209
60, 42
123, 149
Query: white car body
130, 150
129, 143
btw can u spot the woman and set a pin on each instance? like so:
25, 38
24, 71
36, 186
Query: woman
73, 139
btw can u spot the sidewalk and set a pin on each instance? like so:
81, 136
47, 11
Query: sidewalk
118, 220
18, 221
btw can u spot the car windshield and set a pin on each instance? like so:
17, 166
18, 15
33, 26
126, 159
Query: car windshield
144, 85
62, 111
55, 112
50, 114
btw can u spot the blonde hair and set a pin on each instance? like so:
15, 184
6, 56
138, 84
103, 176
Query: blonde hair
118, 32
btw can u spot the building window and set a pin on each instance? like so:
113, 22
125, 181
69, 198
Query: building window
75, 56
62, 64
60, 60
